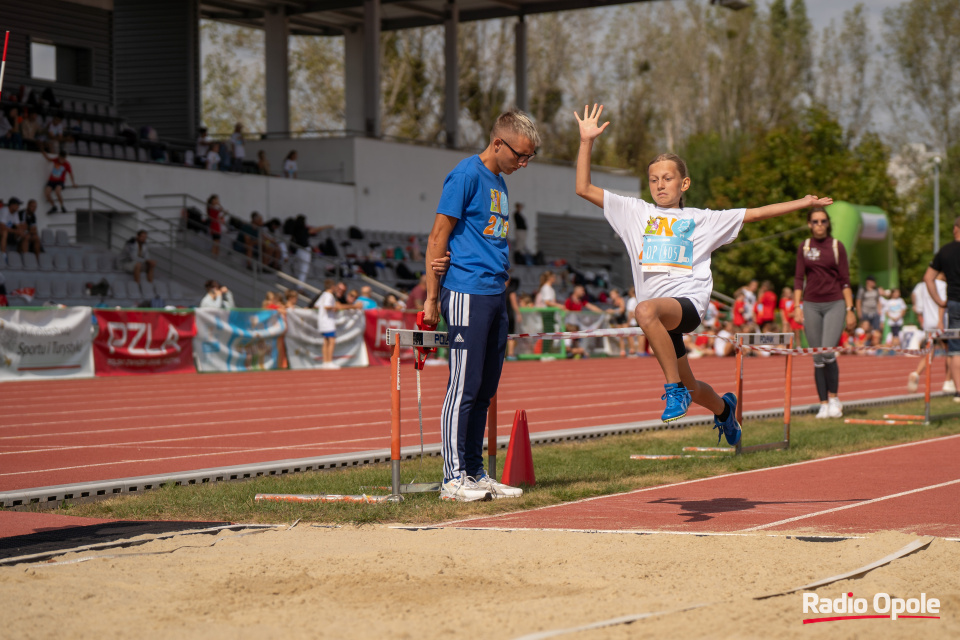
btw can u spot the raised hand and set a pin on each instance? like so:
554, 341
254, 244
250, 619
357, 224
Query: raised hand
814, 201
589, 130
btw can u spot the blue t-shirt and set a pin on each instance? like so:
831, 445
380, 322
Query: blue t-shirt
479, 256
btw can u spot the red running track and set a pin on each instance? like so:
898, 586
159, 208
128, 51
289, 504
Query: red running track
60, 432
914, 488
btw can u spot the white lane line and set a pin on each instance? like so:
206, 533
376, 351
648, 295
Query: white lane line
708, 479
850, 506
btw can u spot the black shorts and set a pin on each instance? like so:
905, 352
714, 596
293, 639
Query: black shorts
215, 236
511, 320
689, 320
55, 185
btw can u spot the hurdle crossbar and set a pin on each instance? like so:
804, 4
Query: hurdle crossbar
400, 338
765, 339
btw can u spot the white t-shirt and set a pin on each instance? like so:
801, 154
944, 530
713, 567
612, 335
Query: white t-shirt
239, 151
927, 306
720, 347
289, 167
8, 219
631, 308
327, 318
546, 294
895, 310
703, 230
213, 160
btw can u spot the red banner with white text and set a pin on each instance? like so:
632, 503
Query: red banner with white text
135, 342
375, 334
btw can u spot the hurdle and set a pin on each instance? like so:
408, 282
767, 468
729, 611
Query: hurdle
946, 334
765, 340
398, 339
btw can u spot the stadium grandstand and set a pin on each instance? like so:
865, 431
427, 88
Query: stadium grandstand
119, 81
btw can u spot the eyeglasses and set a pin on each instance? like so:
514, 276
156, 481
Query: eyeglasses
819, 222
521, 157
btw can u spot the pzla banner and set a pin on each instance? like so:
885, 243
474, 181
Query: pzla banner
45, 343
305, 342
135, 342
231, 340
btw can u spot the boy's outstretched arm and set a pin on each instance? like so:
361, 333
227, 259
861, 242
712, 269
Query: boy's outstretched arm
589, 131
779, 209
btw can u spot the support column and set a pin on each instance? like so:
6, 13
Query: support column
520, 64
451, 110
276, 34
353, 80
371, 68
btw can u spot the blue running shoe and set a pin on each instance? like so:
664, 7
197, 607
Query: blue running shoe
678, 399
729, 427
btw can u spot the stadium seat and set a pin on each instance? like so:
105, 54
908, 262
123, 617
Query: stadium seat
161, 289
30, 262
90, 263
70, 147
95, 150
75, 289
83, 148
60, 262
14, 261
130, 154
109, 130
46, 262
47, 237
176, 291
118, 152
86, 127
59, 289
98, 129
133, 291
142, 155
63, 238
43, 290
75, 262
105, 262
106, 150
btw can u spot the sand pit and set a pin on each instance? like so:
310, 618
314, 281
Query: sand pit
378, 582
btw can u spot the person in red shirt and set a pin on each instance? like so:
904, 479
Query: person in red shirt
739, 305
57, 180
766, 308
217, 216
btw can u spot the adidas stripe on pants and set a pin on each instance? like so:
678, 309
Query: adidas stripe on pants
477, 329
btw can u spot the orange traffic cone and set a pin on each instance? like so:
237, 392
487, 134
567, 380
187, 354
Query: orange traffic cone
518, 468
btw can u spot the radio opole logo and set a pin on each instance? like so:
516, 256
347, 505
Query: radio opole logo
882, 605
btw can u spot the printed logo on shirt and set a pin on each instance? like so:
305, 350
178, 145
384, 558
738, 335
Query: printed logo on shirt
812, 254
495, 197
667, 245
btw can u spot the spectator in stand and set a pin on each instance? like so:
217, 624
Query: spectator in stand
739, 310
328, 307
519, 225
417, 296
390, 302
822, 280
55, 134
723, 342
11, 135
546, 296
291, 297
57, 180
135, 257
290, 165
239, 151
750, 301
23, 228
202, 148
263, 165
868, 303
217, 218
8, 219
32, 131
366, 297
271, 300
619, 319
894, 311
248, 240
766, 309
217, 297
213, 157
274, 248
576, 303
300, 234
413, 249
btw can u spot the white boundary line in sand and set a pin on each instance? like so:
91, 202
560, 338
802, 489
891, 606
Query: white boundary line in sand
686, 482
638, 532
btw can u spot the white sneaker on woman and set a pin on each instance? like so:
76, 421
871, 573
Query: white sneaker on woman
822, 414
834, 408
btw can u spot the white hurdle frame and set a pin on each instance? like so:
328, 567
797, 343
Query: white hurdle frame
398, 338
765, 339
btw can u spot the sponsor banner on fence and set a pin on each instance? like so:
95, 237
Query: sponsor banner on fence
45, 343
305, 342
134, 342
375, 335
231, 340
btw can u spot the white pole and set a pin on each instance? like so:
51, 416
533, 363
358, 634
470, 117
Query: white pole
936, 204
3, 64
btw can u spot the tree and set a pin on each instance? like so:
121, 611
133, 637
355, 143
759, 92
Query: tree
844, 85
923, 39
232, 78
316, 83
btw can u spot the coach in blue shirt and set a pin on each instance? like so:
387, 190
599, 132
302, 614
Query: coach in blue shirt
473, 220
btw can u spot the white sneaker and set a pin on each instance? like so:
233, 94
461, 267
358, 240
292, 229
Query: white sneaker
463, 490
834, 408
912, 381
498, 489
949, 387
330, 365
822, 413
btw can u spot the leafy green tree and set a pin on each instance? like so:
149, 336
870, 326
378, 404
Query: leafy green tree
232, 78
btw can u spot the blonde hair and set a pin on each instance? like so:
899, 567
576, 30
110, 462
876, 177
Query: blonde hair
518, 122
544, 277
675, 159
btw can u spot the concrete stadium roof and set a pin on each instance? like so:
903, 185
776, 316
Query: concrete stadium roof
335, 17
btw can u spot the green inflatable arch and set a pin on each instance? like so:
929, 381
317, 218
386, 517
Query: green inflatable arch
865, 232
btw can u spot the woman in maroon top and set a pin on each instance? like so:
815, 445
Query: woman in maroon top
822, 262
